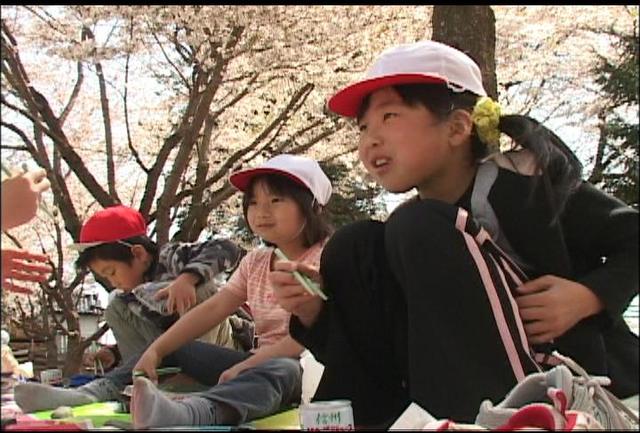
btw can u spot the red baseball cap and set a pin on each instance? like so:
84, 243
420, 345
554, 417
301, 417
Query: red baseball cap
110, 225
418, 62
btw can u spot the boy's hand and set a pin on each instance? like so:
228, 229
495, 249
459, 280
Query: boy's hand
104, 355
550, 306
181, 294
291, 295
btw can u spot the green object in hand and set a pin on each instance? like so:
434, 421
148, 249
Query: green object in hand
309, 285
159, 371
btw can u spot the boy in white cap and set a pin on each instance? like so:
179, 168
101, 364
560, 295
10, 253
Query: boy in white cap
434, 308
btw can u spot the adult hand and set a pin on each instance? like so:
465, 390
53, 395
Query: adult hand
180, 294
20, 195
20, 265
148, 363
291, 295
550, 306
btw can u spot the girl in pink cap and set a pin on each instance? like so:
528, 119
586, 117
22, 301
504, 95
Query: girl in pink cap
500, 259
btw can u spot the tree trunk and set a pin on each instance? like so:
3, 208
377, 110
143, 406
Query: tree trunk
76, 348
598, 163
471, 29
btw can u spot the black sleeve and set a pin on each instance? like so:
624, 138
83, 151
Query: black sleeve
602, 236
313, 338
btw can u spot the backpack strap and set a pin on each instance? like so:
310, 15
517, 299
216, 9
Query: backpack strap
483, 212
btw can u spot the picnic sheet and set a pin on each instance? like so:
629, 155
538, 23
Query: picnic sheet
99, 413
288, 420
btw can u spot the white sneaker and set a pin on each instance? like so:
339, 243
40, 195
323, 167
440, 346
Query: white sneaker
543, 416
582, 394
533, 416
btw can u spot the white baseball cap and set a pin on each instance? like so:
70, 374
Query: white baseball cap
301, 169
419, 62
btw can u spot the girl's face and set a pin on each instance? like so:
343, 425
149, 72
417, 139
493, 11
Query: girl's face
121, 275
402, 146
274, 217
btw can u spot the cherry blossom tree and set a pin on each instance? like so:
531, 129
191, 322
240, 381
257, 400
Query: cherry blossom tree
154, 106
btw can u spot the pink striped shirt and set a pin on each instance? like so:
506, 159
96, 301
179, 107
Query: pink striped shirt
250, 282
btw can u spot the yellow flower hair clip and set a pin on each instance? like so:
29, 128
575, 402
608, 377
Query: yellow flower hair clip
486, 117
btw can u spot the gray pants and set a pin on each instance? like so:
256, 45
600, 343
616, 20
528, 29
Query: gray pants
257, 392
134, 333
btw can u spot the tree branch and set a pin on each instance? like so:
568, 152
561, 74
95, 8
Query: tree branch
125, 99
74, 95
28, 143
175, 68
106, 117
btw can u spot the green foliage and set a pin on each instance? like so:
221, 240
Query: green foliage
620, 80
617, 171
352, 199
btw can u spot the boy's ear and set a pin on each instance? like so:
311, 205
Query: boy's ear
138, 250
460, 127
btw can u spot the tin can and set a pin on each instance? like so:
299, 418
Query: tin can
334, 415
52, 376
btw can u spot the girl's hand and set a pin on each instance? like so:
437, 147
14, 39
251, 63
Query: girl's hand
148, 363
232, 372
550, 306
181, 294
291, 295
20, 265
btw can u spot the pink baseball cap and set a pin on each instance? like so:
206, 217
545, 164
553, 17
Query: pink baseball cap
108, 225
419, 62
301, 169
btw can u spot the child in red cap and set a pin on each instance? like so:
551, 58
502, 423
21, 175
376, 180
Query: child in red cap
154, 287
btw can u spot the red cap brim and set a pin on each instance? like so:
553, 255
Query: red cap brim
241, 179
348, 100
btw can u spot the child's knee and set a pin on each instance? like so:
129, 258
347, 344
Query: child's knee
288, 375
420, 219
349, 240
287, 369
115, 311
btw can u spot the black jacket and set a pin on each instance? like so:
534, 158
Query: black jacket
595, 243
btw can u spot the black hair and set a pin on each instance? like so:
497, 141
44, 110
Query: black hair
116, 251
316, 226
559, 168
